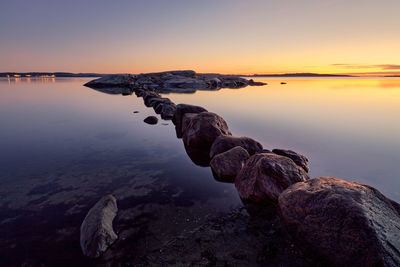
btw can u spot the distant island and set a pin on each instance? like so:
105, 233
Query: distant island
302, 74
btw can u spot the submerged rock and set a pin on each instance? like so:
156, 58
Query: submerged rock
151, 120
112, 81
265, 176
299, 159
343, 223
227, 165
224, 143
202, 130
97, 233
181, 110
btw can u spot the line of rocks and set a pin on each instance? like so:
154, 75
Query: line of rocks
336, 221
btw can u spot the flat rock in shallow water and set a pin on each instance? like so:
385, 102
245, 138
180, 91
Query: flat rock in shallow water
265, 176
343, 223
97, 233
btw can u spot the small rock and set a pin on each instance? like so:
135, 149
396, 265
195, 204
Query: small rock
227, 165
151, 120
97, 233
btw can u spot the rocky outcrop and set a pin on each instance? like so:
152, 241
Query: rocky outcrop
151, 120
343, 223
224, 143
112, 81
265, 176
226, 166
97, 233
186, 81
181, 110
299, 159
201, 131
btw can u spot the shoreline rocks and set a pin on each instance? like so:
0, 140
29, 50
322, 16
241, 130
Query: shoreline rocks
97, 233
265, 176
343, 223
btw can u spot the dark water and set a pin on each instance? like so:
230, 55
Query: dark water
63, 146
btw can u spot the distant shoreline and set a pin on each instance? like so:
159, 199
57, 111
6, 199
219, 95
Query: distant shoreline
97, 75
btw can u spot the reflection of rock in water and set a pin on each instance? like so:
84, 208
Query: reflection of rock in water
115, 90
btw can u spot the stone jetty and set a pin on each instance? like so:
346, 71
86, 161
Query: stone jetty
337, 222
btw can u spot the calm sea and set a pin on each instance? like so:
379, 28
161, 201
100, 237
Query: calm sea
63, 146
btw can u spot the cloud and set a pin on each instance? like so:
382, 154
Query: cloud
361, 66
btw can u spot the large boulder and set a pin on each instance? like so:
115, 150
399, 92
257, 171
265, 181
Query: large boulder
201, 132
343, 223
265, 176
112, 81
182, 109
299, 159
224, 143
97, 233
226, 166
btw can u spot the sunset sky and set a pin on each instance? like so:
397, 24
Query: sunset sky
227, 36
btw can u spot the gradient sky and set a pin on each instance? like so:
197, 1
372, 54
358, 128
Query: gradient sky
227, 36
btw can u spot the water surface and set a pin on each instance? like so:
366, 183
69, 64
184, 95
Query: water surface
63, 146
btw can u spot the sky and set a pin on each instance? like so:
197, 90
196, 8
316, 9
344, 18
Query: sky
226, 36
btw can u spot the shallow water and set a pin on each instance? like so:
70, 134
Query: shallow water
63, 146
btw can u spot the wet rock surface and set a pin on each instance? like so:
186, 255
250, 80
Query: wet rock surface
224, 143
343, 223
299, 159
97, 232
226, 166
265, 176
